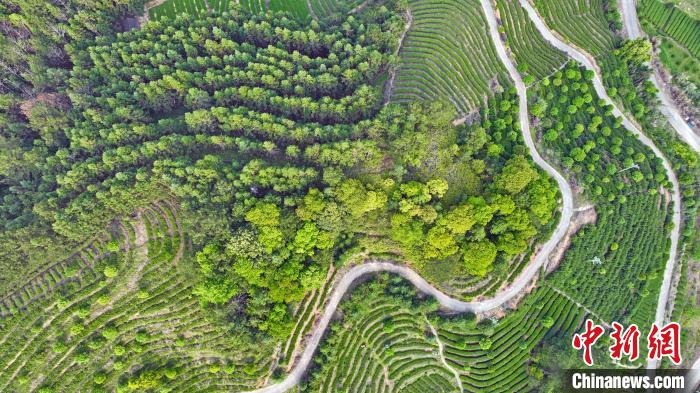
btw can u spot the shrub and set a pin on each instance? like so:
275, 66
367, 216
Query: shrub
110, 333
485, 343
110, 271
119, 350
99, 378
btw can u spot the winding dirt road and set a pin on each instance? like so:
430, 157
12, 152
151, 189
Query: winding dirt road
668, 108
589, 63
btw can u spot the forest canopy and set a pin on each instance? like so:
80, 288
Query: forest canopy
272, 134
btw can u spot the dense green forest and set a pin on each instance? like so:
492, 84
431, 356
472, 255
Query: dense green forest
272, 135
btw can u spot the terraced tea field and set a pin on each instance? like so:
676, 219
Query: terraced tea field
382, 345
305, 315
198, 8
220, 5
690, 7
580, 22
678, 60
295, 191
533, 55
79, 266
131, 323
254, 6
612, 267
324, 9
448, 55
298, 8
493, 356
673, 22
387, 350
172, 8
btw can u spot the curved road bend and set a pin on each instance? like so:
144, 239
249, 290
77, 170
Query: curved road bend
668, 108
419, 282
589, 64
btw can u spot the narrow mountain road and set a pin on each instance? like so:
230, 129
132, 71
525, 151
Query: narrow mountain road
668, 108
524, 119
447, 302
589, 63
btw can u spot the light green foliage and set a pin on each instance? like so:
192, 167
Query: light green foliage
277, 323
414, 198
358, 200
217, 290
479, 257
636, 51
306, 238
265, 217
99, 378
439, 243
431, 228
542, 199
110, 333
113, 246
77, 329
312, 205
146, 380
516, 175
110, 271
407, 230
485, 344
460, 219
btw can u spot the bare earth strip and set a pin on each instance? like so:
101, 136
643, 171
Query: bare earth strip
441, 353
311, 10
145, 17
390, 85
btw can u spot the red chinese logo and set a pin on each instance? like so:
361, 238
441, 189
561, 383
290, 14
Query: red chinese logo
626, 342
665, 342
587, 339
